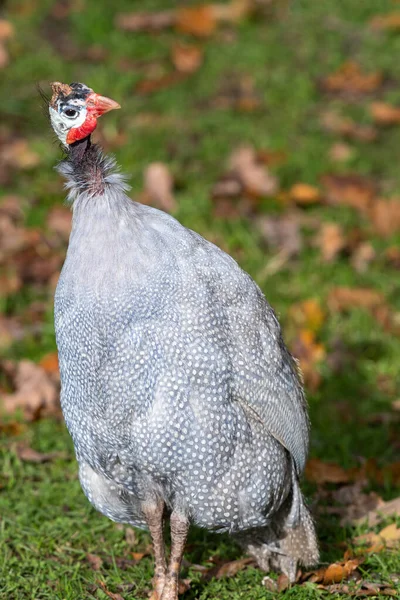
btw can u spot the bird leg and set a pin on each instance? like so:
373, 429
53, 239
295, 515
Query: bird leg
153, 513
179, 530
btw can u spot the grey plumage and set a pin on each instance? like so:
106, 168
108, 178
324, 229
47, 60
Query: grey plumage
176, 383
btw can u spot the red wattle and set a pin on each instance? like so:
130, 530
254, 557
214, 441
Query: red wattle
79, 133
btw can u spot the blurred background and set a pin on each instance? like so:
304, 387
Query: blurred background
273, 129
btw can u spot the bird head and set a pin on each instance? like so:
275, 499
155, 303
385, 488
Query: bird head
74, 110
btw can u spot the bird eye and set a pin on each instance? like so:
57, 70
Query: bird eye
71, 113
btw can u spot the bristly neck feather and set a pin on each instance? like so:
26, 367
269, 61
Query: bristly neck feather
90, 173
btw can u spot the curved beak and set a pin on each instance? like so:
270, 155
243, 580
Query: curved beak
99, 105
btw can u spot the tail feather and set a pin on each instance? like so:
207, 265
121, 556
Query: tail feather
289, 540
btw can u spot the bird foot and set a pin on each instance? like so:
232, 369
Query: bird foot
158, 587
170, 591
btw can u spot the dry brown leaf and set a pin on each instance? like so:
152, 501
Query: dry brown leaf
396, 405
28, 454
346, 127
282, 233
345, 298
6, 30
388, 22
321, 472
95, 562
341, 152
350, 190
307, 315
385, 216
142, 21
392, 507
158, 187
111, 595
199, 21
304, 194
239, 93
362, 257
331, 241
36, 393
350, 79
228, 569
385, 114
187, 58
390, 533
392, 256
150, 86
257, 181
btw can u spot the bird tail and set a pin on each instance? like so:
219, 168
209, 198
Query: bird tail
289, 540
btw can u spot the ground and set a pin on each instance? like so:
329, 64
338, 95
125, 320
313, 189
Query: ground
48, 531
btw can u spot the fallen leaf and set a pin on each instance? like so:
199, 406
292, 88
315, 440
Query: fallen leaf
331, 241
257, 181
385, 114
341, 152
150, 86
142, 21
390, 533
352, 190
228, 569
304, 194
321, 472
186, 58
282, 233
344, 298
239, 93
95, 562
336, 572
6, 30
111, 595
158, 187
307, 315
350, 79
12, 428
385, 216
362, 257
388, 22
392, 507
347, 127
199, 21
28, 454
392, 256
36, 393
396, 405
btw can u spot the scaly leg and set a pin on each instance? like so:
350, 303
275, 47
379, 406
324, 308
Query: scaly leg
154, 517
179, 530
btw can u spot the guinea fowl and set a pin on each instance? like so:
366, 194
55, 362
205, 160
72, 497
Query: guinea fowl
177, 389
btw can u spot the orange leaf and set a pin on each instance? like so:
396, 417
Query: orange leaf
199, 21
389, 22
320, 472
349, 78
186, 58
385, 114
303, 193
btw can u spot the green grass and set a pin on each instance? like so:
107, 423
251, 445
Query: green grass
46, 525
